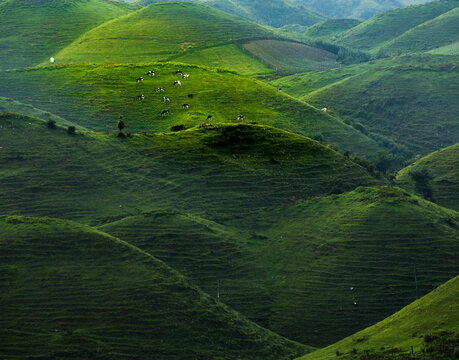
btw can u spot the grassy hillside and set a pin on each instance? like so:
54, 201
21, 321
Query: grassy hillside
435, 312
95, 95
443, 30
443, 169
269, 12
384, 27
414, 105
102, 298
213, 170
451, 49
330, 27
33, 31
291, 268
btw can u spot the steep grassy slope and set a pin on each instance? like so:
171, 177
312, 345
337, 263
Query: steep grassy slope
95, 95
443, 168
291, 268
101, 298
384, 27
415, 105
33, 31
215, 170
443, 30
436, 311
270, 12
451, 49
331, 27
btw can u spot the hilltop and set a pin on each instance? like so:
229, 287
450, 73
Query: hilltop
102, 298
329, 28
185, 32
275, 13
384, 28
214, 170
433, 314
441, 177
94, 96
33, 31
290, 268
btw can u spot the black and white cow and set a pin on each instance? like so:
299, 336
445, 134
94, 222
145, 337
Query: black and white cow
209, 117
177, 82
186, 106
165, 112
141, 97
160, 90
166, 99
140, 79
186, 76
151, 73
179, 72
240, 117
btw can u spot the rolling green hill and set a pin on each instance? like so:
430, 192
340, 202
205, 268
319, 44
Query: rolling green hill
451, 49
435, 312
94, 96
212, 170
443, 30
291, 268
33, 31
269, 12
442, 167
382, 28
415, 105
70, 291
329, 28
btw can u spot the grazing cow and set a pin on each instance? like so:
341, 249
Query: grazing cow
140, 79
279, 89
166, 99
240, 117
177, 82
209, 117
160, 90
151, 73
186, 76
324, 109
141, 97
165, 112
190, 95
186, 106
179, 72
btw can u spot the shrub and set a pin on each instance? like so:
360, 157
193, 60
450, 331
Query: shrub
456, 352
337, 353
422, 184
427, 338
176, 128
71, 130
51, 123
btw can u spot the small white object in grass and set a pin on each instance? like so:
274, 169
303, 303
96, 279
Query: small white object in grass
351, 288
121, 205
51, 59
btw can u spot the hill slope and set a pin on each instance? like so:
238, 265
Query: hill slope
415, 105
436, 311
373, 33
101, 298
290, 268
330, 27
33, 31
214, 170
95, 95
443, 168
269, 12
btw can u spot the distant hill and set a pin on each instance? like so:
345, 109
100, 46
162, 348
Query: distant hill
330, 27
187, 32
442, 169
102, 298
33, 31
94, 96
433, 314
360, 9
291, 268
275, 13
212, 171
384, 28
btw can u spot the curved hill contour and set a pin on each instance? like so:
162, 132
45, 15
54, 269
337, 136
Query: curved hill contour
100, 298
442, 168
33, 31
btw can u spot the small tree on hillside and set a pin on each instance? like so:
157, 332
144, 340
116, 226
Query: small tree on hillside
121, 125
422, 184
383, 160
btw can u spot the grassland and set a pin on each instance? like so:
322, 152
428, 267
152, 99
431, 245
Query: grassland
329, 28
101, 298
33, 31
382, 28
443, 168
269, 12
94, 96
435, 312
279, 266
452, 49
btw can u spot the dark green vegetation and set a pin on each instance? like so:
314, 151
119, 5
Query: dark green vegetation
68, 291
329, 28
212, 170
95, 95
33, 31
441, 175
421, 324
403, 30
280, 266
270, 12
